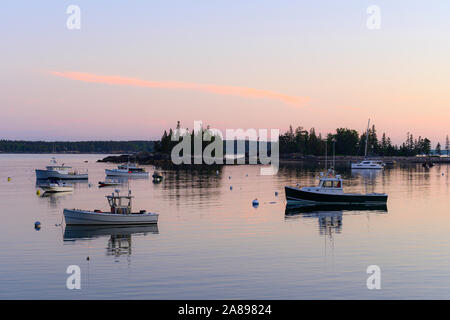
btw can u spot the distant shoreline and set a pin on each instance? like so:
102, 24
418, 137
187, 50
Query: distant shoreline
161, 159
50, 153
152, 157
387, 159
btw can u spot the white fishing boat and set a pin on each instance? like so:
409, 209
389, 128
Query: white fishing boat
120, 213
127, 170
61, 172
56, 186
367, 163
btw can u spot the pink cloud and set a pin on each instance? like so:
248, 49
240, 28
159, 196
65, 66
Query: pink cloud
222, 90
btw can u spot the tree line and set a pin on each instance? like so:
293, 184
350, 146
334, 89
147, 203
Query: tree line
350, 142
19, 146
344, 141
166, 143
306, 142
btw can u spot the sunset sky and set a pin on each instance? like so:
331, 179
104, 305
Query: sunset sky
136, 67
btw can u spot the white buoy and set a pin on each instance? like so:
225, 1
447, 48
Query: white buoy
217, 172
255, 203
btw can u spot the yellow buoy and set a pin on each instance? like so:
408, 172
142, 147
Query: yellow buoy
9, 178
38, 192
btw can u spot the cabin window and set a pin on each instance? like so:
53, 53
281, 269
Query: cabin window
328, 184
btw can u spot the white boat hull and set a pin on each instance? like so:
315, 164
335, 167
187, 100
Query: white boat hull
81, 217
48, 174
364, 166
57, 189
124, 173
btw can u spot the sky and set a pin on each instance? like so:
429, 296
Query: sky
134, 68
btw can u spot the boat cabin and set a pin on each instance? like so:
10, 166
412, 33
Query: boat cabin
329, 183
335, 183
120, 204
130, 168
62, 167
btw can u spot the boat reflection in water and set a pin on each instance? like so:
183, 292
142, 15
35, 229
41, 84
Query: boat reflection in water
366, 174
330, 216
120, 237
55, 199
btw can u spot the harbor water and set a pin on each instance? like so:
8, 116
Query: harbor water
212, 243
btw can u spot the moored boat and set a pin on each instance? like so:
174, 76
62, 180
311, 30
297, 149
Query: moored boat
127, 170
157, 177
367, 163
108, 183
61, 172
56, 186
120, 213
330, 191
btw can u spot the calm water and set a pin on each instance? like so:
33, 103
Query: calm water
210, 243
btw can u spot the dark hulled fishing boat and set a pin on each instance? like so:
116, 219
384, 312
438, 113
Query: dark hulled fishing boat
330, 191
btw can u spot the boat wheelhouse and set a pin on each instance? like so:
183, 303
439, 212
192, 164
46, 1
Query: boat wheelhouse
330, 191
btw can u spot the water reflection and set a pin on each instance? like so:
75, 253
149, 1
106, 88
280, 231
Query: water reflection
366, 174
55, 199
120, 237
72, 182
186, 187
330, 217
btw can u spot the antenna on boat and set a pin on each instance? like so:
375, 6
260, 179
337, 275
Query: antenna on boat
326, 156
334, 153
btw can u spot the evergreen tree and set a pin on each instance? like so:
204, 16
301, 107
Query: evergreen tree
447, 144
438, 149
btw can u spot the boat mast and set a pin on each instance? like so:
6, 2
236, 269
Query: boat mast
367, 139
334, 153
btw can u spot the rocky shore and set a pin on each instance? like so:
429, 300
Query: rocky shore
157, 159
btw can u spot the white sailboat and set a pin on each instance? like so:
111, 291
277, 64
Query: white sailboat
368, 164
